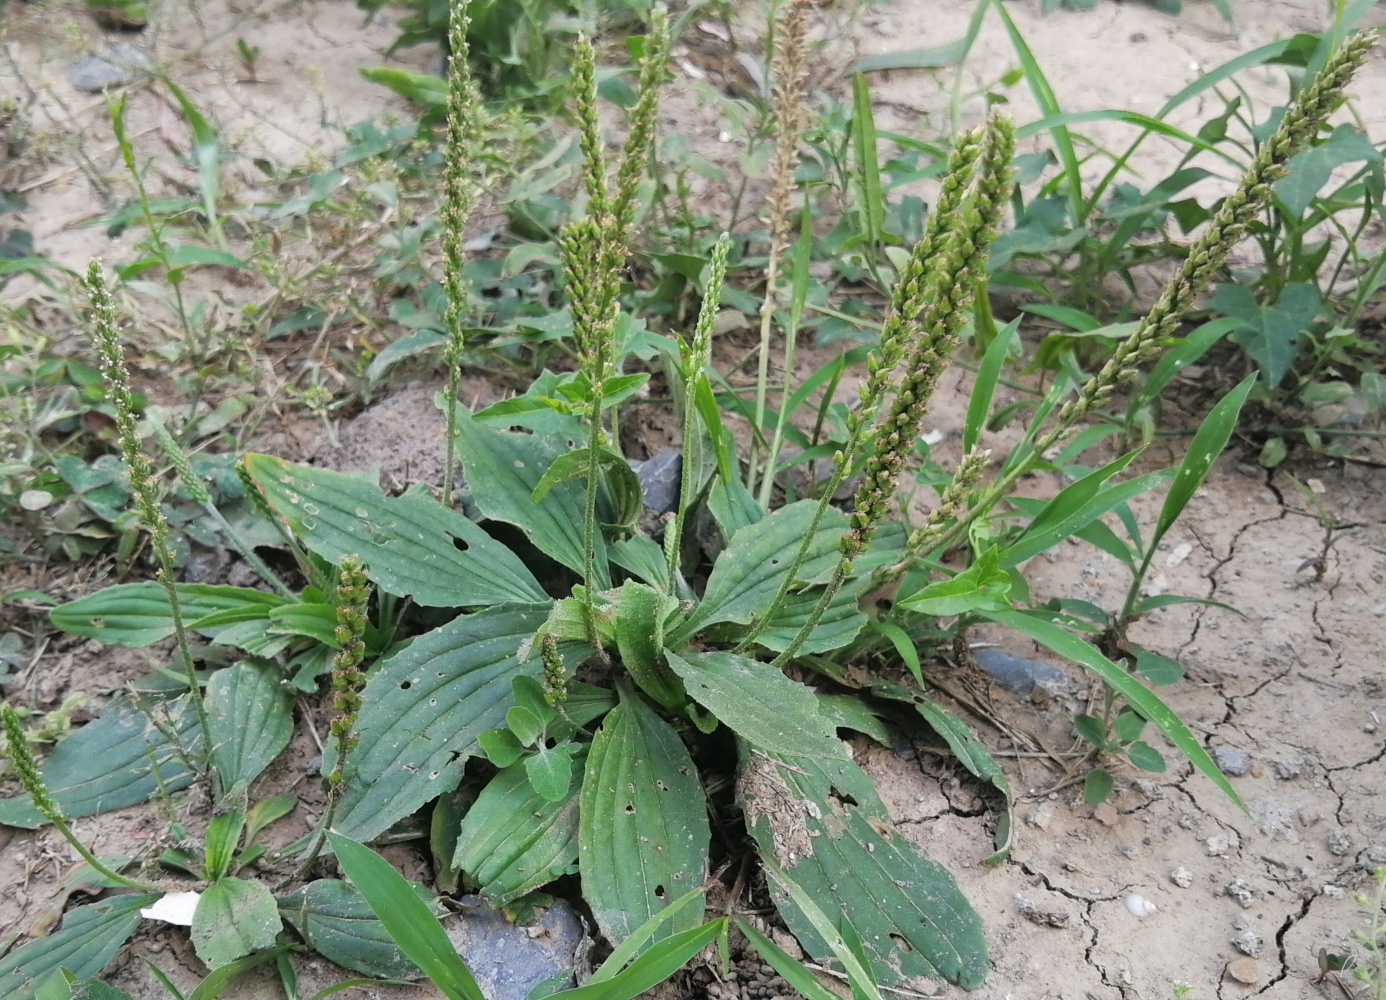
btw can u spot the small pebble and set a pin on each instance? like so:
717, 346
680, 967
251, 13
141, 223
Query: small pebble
1339, 842
1232, 761
1181, 877
1289, 767
1241, 892
1245, 971
114, 66
1249, 943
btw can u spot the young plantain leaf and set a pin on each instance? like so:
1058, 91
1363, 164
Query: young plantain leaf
407, 918
513, 840
821, 822
234, 917
643, 832
105, 765
250, 719
138, 614
335, 921
758, 702
422, 711
503, 469
412, 545
89, 937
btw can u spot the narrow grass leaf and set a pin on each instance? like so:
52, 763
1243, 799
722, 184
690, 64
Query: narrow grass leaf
628, 948
789, 968
1207, 444
407, 918
334, 919
868, 170
657, 964
984, 388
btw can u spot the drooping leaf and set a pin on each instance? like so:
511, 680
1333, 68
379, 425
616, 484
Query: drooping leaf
105, 765
407, 919
758, 702
138, 614
89, 938
823, 824
643, 831
234, 917
973, 755
335, 921
422, 711
503, 468
1136, 694
513, 840
750, 570
411, 545
250, 718
847, 711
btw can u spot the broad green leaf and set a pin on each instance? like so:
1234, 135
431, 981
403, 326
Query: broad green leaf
138, 614
821, 822
758, 702
974, 756
234, 917
614, 472
983, 586
422, 711
105, 765
219, 843
503, 468
95, 989
1207, 444
90, 936
750, 570
1146, 757
1158, 670
1270, 335
1097, 785
656, 964
1136, 694
316, 621
840, 624
1308, 171
407, 918
412, 545
335, 921
550, 772
640, 554
643, 831
641, 612
250, 718
513, 840
848, 711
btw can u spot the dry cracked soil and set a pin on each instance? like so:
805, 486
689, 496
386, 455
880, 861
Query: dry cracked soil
1169, 883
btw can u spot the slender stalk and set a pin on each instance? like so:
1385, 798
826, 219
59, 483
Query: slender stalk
1301, 122
907, 302
347, 679
32, 783
459, 197
695, 372
788, 70
105, 336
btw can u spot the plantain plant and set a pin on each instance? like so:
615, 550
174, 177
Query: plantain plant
592, 665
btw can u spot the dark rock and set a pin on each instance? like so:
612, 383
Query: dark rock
508, 960
1018, 675
1231, 761
660, 477
114, 66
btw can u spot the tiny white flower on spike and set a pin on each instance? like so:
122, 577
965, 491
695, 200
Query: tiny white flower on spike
173, 908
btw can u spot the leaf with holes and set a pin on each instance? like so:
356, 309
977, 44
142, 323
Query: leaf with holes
423, 709
643, 832
138, 614
89, 937
412, 545
106, 764
513, 840
751, 569
335, 921
758, 702
504, 468
822, 822
234, 917
250, 718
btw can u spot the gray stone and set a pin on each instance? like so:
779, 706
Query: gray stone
114, 66
1232, 761
1339, 842
1289, 767
1019, 675
508, 960
660, 479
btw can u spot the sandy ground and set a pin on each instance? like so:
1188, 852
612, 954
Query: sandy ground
1296, 684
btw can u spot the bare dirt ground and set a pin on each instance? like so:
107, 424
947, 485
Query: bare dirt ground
1243, 902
